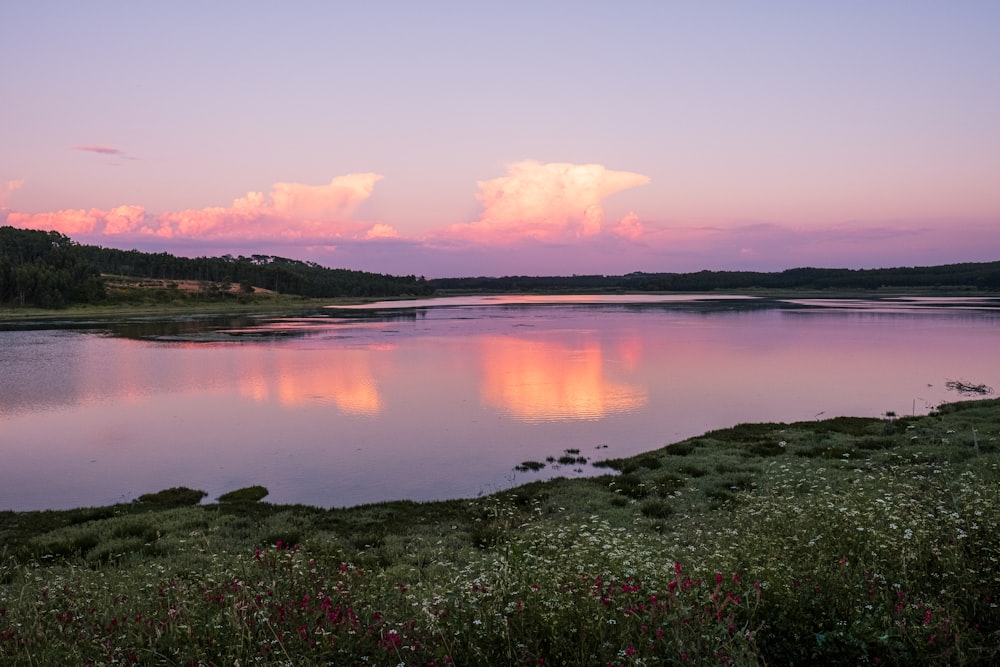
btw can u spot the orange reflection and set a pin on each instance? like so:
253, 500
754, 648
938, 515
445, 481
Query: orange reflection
344, 378
544, 381
630, 352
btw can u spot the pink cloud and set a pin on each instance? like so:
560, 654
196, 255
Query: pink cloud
103, 150
338, 198
292, 212
537, 219
124, 219
629, 227
382, 231
767, 246
69, 222
546, 202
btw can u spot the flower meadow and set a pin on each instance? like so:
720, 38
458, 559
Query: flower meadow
843, 549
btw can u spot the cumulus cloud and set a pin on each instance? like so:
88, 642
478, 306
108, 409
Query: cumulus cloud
124, 219
544, 201
629, 227
382, 231
338, 198
69, 221
292, 211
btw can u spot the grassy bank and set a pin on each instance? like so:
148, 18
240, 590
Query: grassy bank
828, 542
277, 304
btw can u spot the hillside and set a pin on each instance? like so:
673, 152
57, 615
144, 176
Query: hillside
50, 270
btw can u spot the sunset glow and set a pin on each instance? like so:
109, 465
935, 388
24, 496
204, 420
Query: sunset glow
450, 139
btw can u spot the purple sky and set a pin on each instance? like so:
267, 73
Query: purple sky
461, 138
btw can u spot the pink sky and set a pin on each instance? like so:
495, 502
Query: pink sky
453, 139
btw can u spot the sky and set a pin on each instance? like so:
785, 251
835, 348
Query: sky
449, 139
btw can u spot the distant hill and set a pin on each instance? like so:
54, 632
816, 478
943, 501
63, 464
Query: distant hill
278, 274
983, 275
50, 270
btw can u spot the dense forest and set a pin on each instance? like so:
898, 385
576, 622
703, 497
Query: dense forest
45, 269
984, 275
49, 270
286, 276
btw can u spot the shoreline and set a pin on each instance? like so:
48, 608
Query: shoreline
280, 303
614, 465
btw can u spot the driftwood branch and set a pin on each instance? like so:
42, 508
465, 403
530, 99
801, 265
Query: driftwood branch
968, 389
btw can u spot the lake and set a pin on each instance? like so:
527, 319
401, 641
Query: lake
442, 398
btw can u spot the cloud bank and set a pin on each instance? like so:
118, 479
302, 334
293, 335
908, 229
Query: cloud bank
537, 219
533, 202
291, 211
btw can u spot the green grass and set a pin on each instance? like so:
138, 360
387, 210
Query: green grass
143, 304
842, 541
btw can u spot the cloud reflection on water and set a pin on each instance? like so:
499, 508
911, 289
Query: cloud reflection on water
535, 380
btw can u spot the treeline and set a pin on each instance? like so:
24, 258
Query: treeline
982, 275
49, 270
45, 269
287, 276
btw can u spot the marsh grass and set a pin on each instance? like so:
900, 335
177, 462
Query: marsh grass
820, 549
250, 494
178, 496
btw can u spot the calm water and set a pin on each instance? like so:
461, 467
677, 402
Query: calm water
441, 399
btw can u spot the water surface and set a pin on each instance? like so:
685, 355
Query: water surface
442, 398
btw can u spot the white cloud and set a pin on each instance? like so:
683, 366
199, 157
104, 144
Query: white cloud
544, 201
